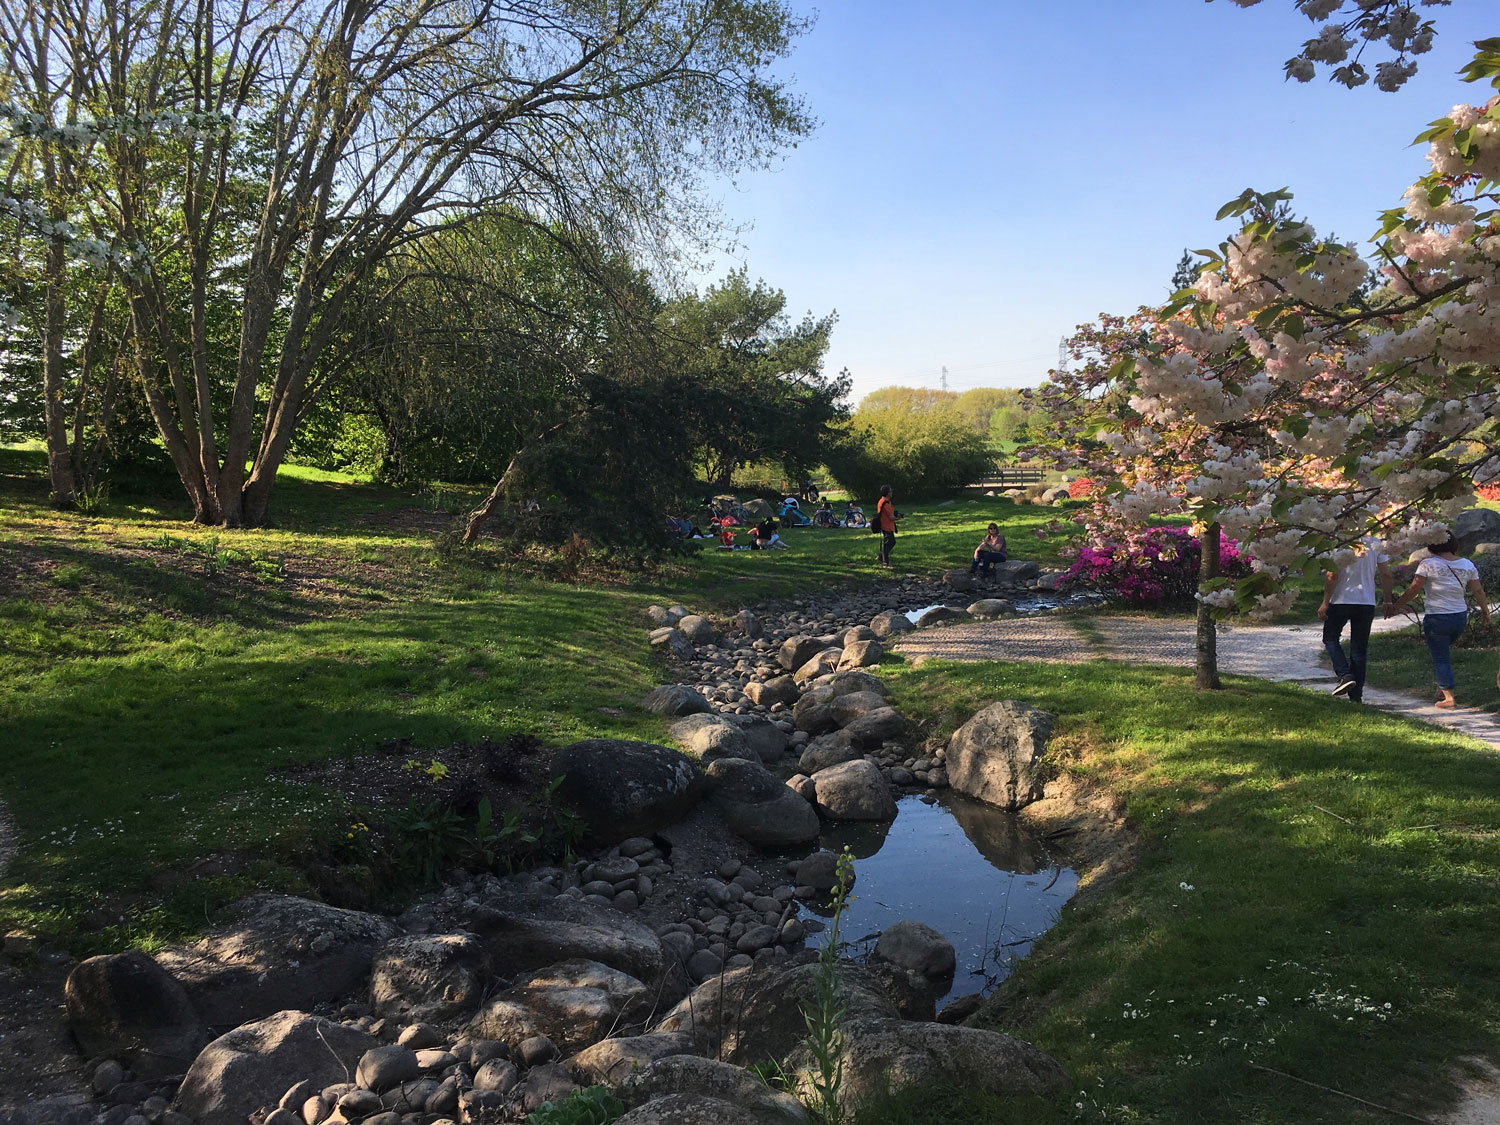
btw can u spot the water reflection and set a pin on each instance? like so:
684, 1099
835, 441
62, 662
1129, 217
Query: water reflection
965, 868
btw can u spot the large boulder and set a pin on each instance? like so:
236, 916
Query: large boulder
854, 791
560, 929
814, 712
848, 682
126, 1006
941, 615
1474, 526
855, 704
861, 654
757, 806
990, 607
670, 642
277, 952
875, 727
797, 651
918, 947
698, 630
955, 580
780, 689
885, 625
574, 1004
682, 1089
625, 788
828, 750
746, 624
614, 1060
883, 1055
765, 738
675, 699
819, 664
1014, 572
428, 977
997, 755
745, 1015
250, 1068
708, 737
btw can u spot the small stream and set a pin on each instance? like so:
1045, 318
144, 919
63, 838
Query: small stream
1025, 605
965, 868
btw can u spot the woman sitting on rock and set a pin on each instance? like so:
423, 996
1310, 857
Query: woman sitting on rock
991, 550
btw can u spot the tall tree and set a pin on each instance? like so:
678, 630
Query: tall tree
759, 389
297, 146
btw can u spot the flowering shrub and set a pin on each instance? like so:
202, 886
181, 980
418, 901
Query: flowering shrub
1081, 489
1157, 567
1488, 492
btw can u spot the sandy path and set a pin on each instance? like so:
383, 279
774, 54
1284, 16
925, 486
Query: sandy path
1280, 653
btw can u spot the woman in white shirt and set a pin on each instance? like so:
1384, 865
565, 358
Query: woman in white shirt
1445, 576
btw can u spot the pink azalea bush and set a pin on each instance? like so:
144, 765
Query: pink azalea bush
1159, 566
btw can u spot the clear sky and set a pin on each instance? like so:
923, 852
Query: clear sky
987, 175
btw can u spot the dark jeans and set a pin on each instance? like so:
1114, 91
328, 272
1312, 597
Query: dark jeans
887, 544
1440, 630
985, 561
1359, 619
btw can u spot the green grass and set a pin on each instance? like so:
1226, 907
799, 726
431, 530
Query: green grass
156, 672
1340, 862
153, 674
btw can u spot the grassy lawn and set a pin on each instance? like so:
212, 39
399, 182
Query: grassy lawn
155, 672
1343, 921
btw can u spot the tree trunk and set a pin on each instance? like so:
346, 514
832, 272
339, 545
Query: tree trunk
1207, 667
59, 453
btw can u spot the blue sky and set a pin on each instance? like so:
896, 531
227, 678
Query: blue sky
988, 175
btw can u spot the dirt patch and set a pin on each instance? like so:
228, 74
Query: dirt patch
508, 773
41, 1059
1478, 1084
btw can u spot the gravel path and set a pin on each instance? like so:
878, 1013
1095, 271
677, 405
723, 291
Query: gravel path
1280, 653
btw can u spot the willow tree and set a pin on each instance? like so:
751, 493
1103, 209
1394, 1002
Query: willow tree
274, 155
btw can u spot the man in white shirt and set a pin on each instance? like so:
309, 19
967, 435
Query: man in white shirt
1349, 599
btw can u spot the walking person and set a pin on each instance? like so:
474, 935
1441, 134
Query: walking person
885, 523
1349, 599
991, 550
1445, 576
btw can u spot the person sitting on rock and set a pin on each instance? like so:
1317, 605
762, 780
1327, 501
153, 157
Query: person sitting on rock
991, 550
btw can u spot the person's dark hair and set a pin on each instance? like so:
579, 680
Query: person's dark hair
885, 490
1447, 546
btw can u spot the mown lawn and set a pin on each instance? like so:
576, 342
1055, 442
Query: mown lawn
154, 673
1316, 895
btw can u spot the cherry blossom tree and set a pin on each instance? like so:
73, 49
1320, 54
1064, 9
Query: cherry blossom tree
1348, 28
1277, 401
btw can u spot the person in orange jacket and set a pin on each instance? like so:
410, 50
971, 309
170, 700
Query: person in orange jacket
885, 521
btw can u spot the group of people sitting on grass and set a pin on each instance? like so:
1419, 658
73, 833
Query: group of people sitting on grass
1444, 578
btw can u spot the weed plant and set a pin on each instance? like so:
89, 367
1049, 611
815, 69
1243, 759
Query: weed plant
824, 1013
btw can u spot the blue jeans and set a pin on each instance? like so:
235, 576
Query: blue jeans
1440, 630
985, 561
1358, 618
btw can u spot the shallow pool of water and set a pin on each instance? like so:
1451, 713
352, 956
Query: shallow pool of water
965, 868
1023, 604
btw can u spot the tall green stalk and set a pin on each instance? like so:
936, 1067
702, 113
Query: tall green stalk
825, 1013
